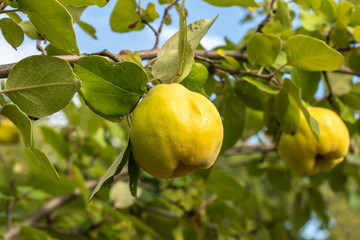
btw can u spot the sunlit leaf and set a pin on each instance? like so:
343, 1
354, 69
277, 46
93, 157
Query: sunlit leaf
41, 85
110, 89
53, 21
311, 54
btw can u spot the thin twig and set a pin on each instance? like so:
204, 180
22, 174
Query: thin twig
145, 54
38, 45
10, 11
330, 96
144, 21
108, 54
158, 32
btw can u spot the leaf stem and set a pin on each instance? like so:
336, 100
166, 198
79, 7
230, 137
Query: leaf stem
10, 11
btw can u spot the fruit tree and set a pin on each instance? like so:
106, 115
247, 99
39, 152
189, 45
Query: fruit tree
256, 138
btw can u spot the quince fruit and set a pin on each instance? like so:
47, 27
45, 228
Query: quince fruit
8, 132
175, 131
302, 153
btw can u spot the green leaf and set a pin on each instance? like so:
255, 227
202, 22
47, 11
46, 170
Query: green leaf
233, 111
41, 85
54, 51
75, 12
307, 81
355, 16
295, 92
357, 34
56, 141
168, 57
251, 95
80, 3
79, 178
311, 54
87, 28
279, 179
21, 121
318, 204
114, 169
340, 83
134, 175
227, 3
12, 32
110, 89
29, 29
300, 213
263, 49
339, 37
45, 162
14, 16
124, 17
261, 84
353, 60
225, 186
352, 99
287, 112
197, 78
283, 14
27, 232
344, 13
150, 13
53, 21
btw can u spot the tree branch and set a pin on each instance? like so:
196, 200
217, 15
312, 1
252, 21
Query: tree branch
145, 54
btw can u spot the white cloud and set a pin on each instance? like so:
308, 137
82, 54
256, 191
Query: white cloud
10, 55
208, 41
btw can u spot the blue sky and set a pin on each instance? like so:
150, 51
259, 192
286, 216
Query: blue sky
227, 24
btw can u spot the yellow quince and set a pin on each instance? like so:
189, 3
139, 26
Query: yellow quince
8, 132
175, 131
302, 153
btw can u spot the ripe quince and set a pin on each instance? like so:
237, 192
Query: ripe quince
175, 131
8, 132
302, 153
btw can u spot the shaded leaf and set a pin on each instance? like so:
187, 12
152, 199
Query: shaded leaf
21, 121
41, 85
225, 186
56, 141
114, 169
295, 92
110, 89
307, 81
29, 29
287, 112
53, 21
80, 181
45, 162
312, 54
251, 95
318, 205
233, 111
87, 28
134, 175
300, 212
12, 32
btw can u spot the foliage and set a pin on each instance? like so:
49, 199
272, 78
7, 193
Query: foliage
259, 85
